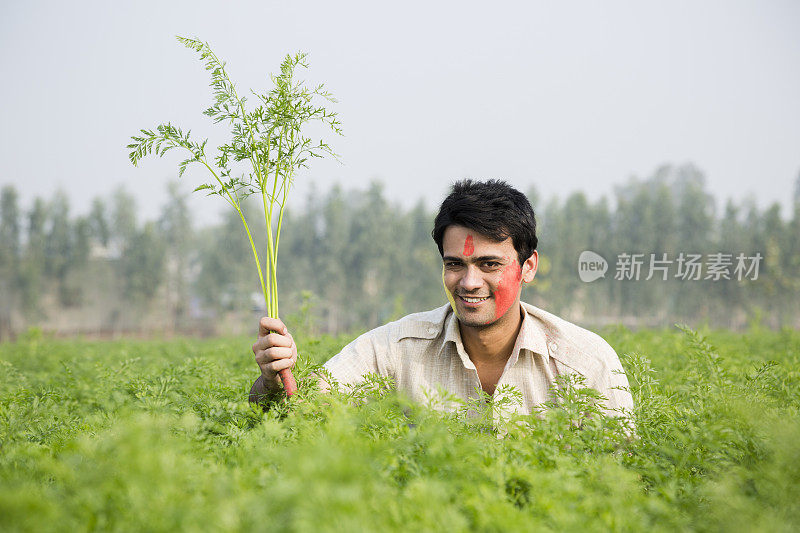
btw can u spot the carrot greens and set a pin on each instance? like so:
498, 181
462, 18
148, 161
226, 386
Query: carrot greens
269, 137
267, 140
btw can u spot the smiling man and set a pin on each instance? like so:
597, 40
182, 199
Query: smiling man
485, 337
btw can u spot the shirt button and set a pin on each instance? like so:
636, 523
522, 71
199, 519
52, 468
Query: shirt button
553, 346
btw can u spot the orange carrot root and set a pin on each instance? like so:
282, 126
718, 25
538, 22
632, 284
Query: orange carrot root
289, 383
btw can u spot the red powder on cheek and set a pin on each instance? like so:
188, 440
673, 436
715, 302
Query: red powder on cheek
507, 289
469, 247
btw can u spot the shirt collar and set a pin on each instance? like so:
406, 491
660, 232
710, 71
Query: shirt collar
531, 337
453, 335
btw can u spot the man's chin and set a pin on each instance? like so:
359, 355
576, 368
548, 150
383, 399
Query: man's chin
474, 321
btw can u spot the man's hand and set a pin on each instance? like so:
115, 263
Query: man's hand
275, 350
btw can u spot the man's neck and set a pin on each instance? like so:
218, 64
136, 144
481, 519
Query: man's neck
492, 344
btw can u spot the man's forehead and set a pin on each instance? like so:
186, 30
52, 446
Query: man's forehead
455, 235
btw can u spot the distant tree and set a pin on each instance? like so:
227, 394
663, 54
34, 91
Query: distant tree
72, 285
797, 189
549, 232
730, 235
142, 265
792, 256
176, 227
423, 264
225, 280
9, 257
695, 209
301, 257
59, 245
776, 282
730, 230
123, 218
634, 235
9, 231
634, 218
336, 278
98, 222
574, 223
663, 220
751, 225
81, 239
695, 225
601, 240
363, 260
33, 259
533, 197
374, 246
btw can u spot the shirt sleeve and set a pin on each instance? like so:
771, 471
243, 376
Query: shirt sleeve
370, 353
612, 383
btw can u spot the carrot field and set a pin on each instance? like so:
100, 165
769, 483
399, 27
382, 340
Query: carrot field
159, 436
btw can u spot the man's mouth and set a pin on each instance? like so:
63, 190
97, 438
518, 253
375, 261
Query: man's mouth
473, 300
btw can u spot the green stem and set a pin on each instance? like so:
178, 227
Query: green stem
262, 179
271, 247
268, 223
255, 252
285, 188
235, 205
270, 306
271, 262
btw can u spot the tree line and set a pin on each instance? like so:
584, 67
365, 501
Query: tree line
352, 259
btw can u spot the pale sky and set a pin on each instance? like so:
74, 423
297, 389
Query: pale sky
564, 95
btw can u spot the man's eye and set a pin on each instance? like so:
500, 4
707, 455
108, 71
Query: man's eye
452, 264
491, 264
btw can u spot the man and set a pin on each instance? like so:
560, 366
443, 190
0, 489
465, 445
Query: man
485, 337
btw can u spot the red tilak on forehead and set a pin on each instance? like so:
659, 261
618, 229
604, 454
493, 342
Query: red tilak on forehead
469, 247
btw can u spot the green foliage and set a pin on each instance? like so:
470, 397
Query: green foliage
158, 436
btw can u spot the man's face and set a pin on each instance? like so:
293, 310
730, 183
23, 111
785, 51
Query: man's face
482, 277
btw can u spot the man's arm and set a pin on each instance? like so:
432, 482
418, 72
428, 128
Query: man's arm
615, 389
275, 349
370, 353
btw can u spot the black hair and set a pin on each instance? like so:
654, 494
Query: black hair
492, 208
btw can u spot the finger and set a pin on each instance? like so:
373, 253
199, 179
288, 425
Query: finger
268, 324
273, 339
261, 344
280, 364
271, 354
276, 339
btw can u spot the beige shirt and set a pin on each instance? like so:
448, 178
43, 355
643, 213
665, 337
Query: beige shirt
423, 352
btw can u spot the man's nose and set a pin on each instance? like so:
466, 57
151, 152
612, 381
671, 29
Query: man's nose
472, 279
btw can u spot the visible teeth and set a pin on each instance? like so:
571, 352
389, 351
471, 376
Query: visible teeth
474, 300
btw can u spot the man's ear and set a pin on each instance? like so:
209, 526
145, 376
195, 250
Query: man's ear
529, 267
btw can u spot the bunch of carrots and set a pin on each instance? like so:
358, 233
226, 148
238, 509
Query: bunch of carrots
267, 146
